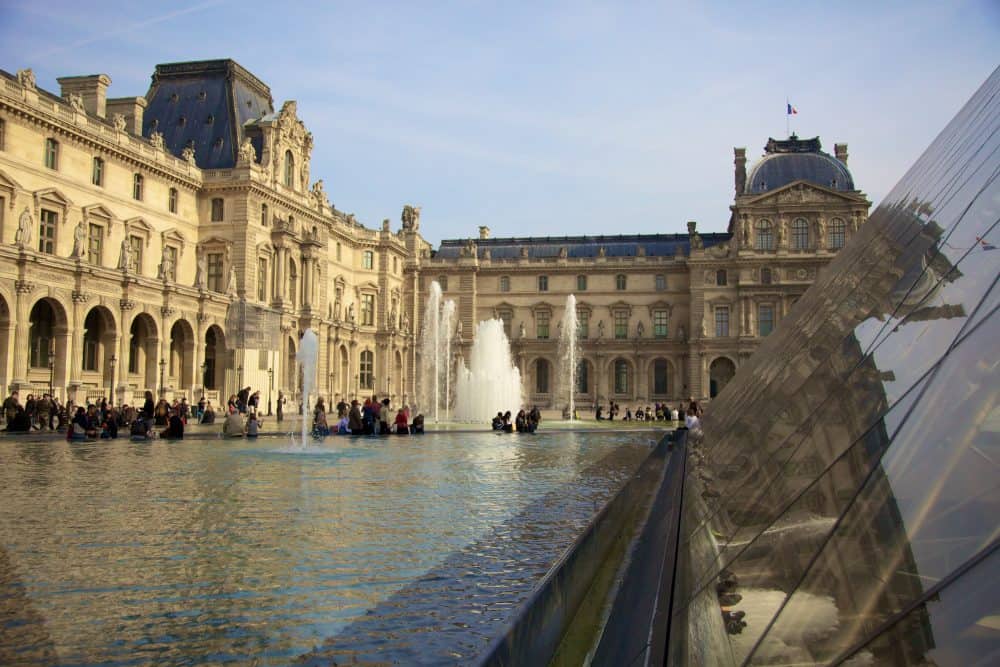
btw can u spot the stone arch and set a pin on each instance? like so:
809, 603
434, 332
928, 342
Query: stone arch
621, 378
48, 338
216, 356
585, 385
180, 365
720, 372
661, 378
6, 336
143, 347
98, 355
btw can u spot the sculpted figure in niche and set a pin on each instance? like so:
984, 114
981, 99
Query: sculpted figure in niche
600, 328
201, 272
166, 263
779, 234
393, 317
125, 255
79, 240
681, 333
23, 236
156, 140
406, 323
639, 329
522, 331
248, 153
821, 232
26, 78
746, 233
350, 313
119, 122
336, 308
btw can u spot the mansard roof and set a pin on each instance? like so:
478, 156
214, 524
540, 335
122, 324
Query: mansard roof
539, 247
204, 104
793, 159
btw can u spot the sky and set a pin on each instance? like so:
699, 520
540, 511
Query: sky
550, 118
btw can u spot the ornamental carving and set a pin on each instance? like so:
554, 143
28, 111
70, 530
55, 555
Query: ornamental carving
22, 237
26, 78
248, 154
156, 140
411, 217
118, 120
188, 154
76, 101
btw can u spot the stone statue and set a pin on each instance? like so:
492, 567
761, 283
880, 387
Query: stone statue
156, 140
393, 315
746, 233
701, 329
601, 252
639, 329
23, 236
522, 331
118, 120
821, 232
231, 287
318, 193
125, 256
600, 329
406, 323
681, 334
336, 309
76, 101
563, 252
201, 271
350, 313
248, 153
79, 241
779, 234
166, 263
26, 78
458, 329
188, 154
411, 217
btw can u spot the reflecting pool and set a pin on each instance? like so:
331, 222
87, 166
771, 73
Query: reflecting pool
415, 549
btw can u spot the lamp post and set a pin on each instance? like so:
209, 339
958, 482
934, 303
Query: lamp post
111, 386
163, 381
52, 368
270, 388
239, 376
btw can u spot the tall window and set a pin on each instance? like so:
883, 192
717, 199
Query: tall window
721, 278
621, 324
172, 200
51, 153
40, 332
97, 173
504, 283
542, 376
661, 322
263, 215
91, 330
368, 260
218, 209
721, 321
765, 276
661, 374
3, 133
95, 244
836, 234
338, 251
443, 282
661, 282
366, 370
542, 325
582, 324
261, 279
765, 319
172, 263
137, 187
47, 231
507, 317
136, 245
543, 283
621, 376
621, 282
765, 235
289, 170
214, 270
581, 283
582, 378
800, 234
368, 309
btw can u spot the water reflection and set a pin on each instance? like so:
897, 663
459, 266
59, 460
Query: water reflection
208, 551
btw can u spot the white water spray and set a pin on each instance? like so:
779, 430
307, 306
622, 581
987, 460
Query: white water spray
446, 335
307, 356
569, 354
491, 383
437, 333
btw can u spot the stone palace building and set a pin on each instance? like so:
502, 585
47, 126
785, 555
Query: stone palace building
176, 242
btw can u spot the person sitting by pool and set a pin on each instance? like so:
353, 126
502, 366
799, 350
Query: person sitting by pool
208, 416
343, 425
598, 415
498, 421
418, 424
521, 421
508, 427
78, 427
18, 422
175, 427
354, 419
233, 426
253, 426
402, 428
320, 427
109, 429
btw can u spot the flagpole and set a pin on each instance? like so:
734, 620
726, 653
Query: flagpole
788, 132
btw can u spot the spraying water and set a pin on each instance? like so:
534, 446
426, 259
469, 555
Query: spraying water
491, 382
437, 333
446, 334
569, 354
307, 356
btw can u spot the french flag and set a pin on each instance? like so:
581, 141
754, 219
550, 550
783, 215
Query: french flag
791, 110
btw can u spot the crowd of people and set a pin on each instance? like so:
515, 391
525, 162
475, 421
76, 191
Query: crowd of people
656, 412
373, 417
524, 422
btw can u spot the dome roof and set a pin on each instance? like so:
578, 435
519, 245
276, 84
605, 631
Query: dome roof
797, 159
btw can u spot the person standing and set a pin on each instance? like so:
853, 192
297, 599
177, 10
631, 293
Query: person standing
148, 408
10, 406
281, 406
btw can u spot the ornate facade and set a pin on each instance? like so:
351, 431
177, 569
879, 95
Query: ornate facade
176, 242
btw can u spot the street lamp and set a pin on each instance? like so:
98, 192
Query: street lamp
111, 386
52, 365
239, 376
270, 388
204, 379
163, 381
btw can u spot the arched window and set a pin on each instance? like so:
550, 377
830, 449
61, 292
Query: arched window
289, 170
800, 234
836, 234
765, 235
366, 370
41, 328
721, 278
542, 376
621, 282
621, 376
582, 378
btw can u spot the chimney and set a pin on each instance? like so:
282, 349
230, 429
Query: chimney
132, 109
740, 161
92, 87
484, 232
840, 152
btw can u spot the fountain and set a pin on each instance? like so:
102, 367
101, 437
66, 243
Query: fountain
569, 353
491, 382
307, 356
446, 334
435, 354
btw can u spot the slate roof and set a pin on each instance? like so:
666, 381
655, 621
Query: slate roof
539, 247
205, 104
786, 161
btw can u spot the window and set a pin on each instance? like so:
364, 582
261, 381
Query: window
172, 200
3, 133
395, 264
97, 173
368, 259
40, 335
661, 374
721, 278
47, 231
507, 317
51, 153
661, 282
582, 324
621, 324
261, 279
289, 169
504, 283
582, 378
800, 234
765, 235
136, 245
91, 329
721, 321
137, 187
214, 270
620, 282
581, 283
338, 251
542, 325
543, 283
366, 371
661, 320
172, 263
621, 376
293, 277
542, 376
765, 319
95, 244
263, 215
218, 208
443, 282
368, 309
765, 276
836, 234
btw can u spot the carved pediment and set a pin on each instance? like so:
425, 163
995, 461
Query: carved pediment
98, 211
139, 227
174, 236
660, 305
8, 183
801, 192
620, 305
52, 195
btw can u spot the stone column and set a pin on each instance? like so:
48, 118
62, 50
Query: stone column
124, 350
75, 358
22, 340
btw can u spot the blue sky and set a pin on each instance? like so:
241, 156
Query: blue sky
550, 118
